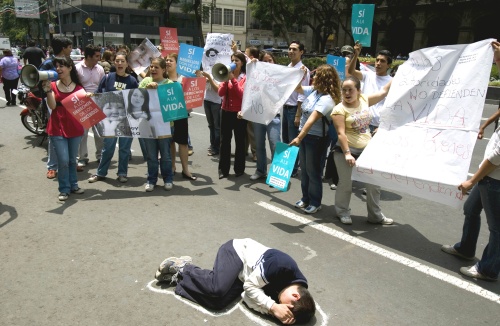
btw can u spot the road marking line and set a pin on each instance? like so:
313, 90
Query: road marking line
453, 280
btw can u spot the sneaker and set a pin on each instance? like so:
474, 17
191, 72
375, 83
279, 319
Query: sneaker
63, 196
190, 152
149, 187
333, 186
168, 186
173, 265
82, 163
122, 178
301, 204
384, 221
257, 176
474, 273
96, 178
77, 191
312, 209
452, 251
345, 220
51, 174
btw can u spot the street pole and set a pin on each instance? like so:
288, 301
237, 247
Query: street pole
59, 16
102, 23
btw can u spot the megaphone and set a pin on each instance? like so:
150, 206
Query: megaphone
30, 76
221, 71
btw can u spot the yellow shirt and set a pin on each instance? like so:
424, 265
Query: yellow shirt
357, 123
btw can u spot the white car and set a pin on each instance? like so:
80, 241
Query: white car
76, 55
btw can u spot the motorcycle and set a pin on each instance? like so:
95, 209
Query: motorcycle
35, 116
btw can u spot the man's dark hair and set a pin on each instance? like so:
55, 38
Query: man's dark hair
254, 52
387, 54
90, 50
305, 308
301, 46
59, 43
31, 43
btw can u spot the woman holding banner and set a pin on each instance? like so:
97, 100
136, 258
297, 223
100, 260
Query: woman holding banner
313, 136
231, 119
180, 131
116, 81
160, 145
64, 131
352, 120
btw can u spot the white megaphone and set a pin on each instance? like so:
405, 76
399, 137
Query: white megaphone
30, 76
221, 71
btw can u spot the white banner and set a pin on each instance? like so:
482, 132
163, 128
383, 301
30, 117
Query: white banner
267, 88
429, 123
217, 50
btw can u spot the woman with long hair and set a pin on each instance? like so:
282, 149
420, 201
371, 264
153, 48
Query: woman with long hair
352, 119
231, 119
313, 134
116, 81
138, 113
180, 132
160, 145
64, 130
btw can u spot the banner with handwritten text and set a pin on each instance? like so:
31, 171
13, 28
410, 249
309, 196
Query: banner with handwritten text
267, 88
429, 123
217, 50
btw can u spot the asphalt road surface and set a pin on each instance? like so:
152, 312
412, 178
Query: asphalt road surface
91, 260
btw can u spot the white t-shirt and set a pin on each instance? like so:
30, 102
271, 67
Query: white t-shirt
373, 83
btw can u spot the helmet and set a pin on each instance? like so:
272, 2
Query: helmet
347, 48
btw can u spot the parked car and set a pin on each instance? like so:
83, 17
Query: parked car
76, 55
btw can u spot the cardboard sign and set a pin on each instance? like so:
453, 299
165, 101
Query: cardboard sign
267, 88
189, 60
429, 123
83, 108
217, 50
338, 63
169, 41
194, 91
282, 166
362, 23
172, 103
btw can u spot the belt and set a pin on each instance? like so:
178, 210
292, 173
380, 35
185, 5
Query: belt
289, 106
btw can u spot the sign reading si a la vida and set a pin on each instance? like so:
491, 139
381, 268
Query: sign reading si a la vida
282, 166
361, 23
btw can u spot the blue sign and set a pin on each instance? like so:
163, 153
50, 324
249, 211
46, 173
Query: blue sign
172, 103
189, 60
282, 166
338, 63
362, 23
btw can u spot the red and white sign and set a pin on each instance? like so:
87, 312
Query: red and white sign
194, 91
169, 41
83, 108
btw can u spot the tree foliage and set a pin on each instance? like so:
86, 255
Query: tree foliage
16, 29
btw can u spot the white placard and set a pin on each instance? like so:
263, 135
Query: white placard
267, 88
429, 123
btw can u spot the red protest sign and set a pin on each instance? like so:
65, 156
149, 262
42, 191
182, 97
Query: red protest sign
194, 91
169, 41
84, 109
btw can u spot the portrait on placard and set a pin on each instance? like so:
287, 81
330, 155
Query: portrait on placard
113, 106
138, 114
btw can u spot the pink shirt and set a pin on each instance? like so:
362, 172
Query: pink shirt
90, 77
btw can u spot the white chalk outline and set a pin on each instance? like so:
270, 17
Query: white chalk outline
239, 306
430, 271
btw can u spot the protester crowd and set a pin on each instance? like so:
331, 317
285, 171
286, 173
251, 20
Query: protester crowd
351, 106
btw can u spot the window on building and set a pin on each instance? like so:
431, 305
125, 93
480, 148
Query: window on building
74, 17
228, 17
114, 19
239, 18
144, 20
217, 19
205, 15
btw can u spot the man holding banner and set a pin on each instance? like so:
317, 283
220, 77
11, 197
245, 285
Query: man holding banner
292, 108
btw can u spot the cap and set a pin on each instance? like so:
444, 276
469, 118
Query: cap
347, 48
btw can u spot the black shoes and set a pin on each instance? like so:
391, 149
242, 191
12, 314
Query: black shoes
239, 174
222, 175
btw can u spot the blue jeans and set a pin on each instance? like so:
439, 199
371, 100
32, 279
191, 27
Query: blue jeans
288, 129
66, 150
108, 150
311, 153
51, 152
161, 146
273, 134
212, 112
485, 195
